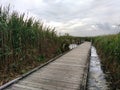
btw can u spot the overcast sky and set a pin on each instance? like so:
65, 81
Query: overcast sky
76, 17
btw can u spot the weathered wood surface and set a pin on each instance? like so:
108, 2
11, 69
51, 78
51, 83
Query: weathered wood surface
65, 73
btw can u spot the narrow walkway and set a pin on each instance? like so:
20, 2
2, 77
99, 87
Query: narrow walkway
65, 73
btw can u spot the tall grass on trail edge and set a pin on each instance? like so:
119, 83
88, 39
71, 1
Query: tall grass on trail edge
109, 50
25, 43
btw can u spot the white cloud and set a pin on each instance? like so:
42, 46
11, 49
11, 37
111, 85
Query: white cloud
80, 17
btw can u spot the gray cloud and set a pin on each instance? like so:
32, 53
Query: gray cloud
79, 18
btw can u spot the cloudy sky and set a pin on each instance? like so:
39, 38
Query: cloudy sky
76, 17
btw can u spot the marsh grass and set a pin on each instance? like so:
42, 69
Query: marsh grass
109, 50
25, 43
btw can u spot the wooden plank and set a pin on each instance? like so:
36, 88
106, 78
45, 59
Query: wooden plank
65, 73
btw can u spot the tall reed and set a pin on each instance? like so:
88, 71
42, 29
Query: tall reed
25, 43
109, 50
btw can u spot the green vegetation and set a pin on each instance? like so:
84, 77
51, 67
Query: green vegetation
108, 48
26, 43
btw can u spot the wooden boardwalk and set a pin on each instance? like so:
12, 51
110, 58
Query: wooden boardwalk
65, 73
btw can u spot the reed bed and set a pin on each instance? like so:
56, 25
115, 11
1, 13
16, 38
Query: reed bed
108, 48
26, 43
